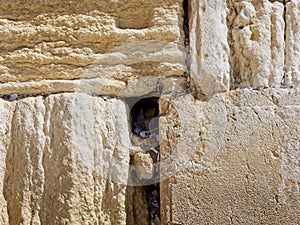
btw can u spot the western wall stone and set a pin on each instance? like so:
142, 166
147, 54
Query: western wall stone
66, 160
257, 43
209, 49
292, 51
244, 167
43, 43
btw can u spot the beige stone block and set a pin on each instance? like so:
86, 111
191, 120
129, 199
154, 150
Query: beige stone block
292, 50
209, 48
97, 86
66, 160
114, 40
257, 57
245, 166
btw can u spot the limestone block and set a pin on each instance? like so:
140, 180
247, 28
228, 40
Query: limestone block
257, 45
180, 136
245, 165
209, 48
68, 160
50, 42
98, 86
292, 50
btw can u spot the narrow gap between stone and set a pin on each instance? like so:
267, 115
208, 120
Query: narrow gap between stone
143, 192
186, 31
284, 79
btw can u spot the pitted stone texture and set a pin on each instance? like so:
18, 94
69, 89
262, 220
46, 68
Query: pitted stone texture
252, 141
67, 160
209, 46
63, 41
292, 18
257, 43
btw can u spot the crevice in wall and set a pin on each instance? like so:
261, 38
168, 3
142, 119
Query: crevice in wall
15, 97
235, 76
186, 30
284, 79
143, 190
235, 79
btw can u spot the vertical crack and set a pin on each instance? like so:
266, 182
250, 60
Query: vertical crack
235, 77
143, 194
284, 79
186, 29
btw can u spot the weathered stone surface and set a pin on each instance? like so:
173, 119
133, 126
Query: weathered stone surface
292, 51
6, 113
257, 44
66, 161
49, 43
229, 158
209, 46
245, 165
98, 86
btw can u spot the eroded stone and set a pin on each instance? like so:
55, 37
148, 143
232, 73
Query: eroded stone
257, 57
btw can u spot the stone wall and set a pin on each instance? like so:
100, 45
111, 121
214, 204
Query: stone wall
240, 163
228, 97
